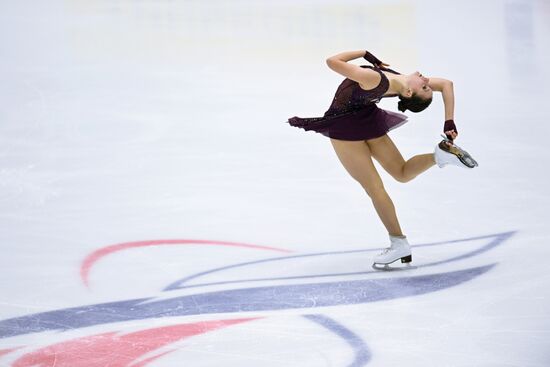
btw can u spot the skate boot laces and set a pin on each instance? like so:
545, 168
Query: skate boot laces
386, 250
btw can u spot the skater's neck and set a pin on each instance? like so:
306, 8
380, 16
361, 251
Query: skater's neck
398, 84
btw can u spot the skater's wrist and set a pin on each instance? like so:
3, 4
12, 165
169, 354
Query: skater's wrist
449, 129
450, 123
372, 59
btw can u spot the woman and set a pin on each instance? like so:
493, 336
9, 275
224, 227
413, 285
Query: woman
358, 129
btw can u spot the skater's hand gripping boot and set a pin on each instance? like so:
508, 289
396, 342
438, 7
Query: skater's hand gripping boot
450, 131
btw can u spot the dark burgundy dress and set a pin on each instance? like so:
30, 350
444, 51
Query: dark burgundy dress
353, 114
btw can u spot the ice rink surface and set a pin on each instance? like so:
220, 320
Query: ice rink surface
156, 209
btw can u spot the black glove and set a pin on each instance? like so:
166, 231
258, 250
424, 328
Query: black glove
449, 125
372, 59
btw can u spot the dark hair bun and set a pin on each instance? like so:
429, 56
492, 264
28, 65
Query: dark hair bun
413, 104
402, 105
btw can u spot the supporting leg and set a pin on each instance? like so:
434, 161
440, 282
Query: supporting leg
356, 158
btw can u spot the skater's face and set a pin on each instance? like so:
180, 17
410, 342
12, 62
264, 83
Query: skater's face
419, 86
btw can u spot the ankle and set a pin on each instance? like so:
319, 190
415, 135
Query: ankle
400, 235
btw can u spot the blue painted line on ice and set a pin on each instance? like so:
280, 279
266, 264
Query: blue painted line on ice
362, 354
269, 298
497, 239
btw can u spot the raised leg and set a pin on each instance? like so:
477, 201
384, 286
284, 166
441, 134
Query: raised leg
386, 153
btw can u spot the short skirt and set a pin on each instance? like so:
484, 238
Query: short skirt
366, 123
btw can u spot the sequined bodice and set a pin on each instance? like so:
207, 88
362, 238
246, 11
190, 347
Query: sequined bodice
351, 97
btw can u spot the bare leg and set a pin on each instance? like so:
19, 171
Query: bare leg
416, 165
357, 160
386, 153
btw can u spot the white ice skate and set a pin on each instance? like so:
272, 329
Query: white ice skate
399, 249
452, 154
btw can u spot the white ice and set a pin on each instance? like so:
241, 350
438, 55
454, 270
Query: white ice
129, 121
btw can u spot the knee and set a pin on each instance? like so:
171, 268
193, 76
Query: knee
402, 178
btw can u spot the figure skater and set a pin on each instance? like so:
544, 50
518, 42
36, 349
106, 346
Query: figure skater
358, 129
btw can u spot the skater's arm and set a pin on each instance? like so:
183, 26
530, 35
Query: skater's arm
364, 76
446, 88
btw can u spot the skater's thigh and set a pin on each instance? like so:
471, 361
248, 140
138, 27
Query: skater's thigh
356, 158
386, 153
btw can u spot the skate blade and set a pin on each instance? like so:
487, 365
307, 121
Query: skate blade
405, 260
463, 156
387, 267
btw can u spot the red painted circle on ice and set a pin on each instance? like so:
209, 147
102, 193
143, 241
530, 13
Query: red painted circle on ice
95, 256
